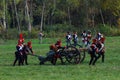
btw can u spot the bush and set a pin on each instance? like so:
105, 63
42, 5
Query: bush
11, 34
33, 34
14, 34
59, 31
60, 28
108, 30
104, 29
115, 32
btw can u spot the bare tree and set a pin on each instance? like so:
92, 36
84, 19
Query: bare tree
4, 15
28, 16
42, 17
19, 29
102, 17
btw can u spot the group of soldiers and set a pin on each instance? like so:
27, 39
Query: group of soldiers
95, 48
72, 39
94, 45
22, 50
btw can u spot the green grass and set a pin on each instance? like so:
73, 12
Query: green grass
110, 70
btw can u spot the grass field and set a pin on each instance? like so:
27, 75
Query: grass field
110, 70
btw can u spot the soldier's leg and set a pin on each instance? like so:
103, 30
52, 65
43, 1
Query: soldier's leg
20, 60
16, 58
25, 59
103, 56
96, 58
92, 57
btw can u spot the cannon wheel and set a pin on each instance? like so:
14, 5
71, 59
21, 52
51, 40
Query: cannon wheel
72, 55
83, 55
82, 52
61, 55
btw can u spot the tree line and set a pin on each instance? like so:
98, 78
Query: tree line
28, 14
